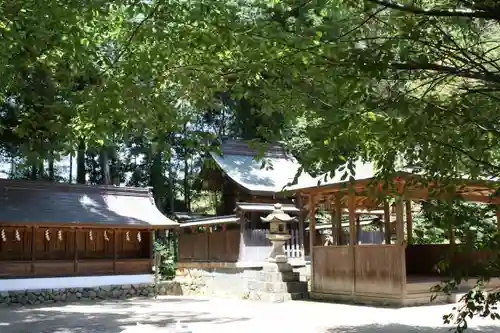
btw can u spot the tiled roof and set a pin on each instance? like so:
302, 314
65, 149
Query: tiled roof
238, 162
38, 202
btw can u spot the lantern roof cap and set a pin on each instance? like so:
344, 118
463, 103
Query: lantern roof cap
278, 214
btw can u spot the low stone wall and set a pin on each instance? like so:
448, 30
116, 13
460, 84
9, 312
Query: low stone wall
44, 296
220, 282
229, 282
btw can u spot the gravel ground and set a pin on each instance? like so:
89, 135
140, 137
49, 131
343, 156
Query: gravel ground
223, 315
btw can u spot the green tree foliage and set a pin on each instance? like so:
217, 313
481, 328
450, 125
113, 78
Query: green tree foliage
337, 80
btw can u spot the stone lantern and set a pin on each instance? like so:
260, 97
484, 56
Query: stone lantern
278, 233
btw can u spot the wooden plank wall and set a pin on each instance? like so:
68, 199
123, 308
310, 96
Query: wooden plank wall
216, 246
47, 252
379, 269
423, 259
333, 269
360, 269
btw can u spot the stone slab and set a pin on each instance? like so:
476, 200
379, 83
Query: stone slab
274, 297
277, 267
278, 287
277, 276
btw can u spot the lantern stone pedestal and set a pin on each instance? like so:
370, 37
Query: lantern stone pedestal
277, 282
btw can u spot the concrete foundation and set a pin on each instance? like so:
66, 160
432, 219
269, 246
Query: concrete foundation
228, 279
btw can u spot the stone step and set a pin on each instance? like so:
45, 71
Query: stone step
277, 267
277, 276
298, 296
277, 287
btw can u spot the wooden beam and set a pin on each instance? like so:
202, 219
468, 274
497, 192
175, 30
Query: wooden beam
400, 232
409, 222
387, 222
338, 219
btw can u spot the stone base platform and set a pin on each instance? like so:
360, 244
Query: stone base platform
277, 282
47, 296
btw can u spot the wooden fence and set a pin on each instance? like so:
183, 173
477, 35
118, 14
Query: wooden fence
218, 246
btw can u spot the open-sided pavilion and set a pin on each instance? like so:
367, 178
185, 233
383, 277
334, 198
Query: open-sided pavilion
396, 272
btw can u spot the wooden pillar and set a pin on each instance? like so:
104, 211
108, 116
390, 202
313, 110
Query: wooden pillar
387, 222
352, 219
334, 226
241, 255
33, 249
312, 235
358, 229
75, 260
409, 222
115, 248
300, 205
338, 219
351, 206
400, 232
225, 255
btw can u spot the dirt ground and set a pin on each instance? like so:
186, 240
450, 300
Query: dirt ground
223, 315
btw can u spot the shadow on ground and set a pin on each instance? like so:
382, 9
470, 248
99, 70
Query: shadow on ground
397, 328
93, 318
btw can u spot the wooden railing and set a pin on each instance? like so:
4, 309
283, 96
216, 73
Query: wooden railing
294, 248
221, 246
60, 268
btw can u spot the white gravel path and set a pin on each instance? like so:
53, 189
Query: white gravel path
223, 315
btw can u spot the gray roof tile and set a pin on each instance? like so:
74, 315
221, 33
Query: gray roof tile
28, 202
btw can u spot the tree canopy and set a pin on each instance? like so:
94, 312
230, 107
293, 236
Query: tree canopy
335, 80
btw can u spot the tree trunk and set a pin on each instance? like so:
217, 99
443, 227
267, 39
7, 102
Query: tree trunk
34, 170
71, 167
41, 169
104, 164
115, 167
51, 167
187, 194
157, 179
171, 193
80, 163
12, 167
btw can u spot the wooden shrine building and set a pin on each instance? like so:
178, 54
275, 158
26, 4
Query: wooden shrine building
250, 191
231, 241
76, 234
398, 271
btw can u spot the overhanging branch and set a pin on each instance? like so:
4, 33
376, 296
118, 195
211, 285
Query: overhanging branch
440, 12
483, 76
